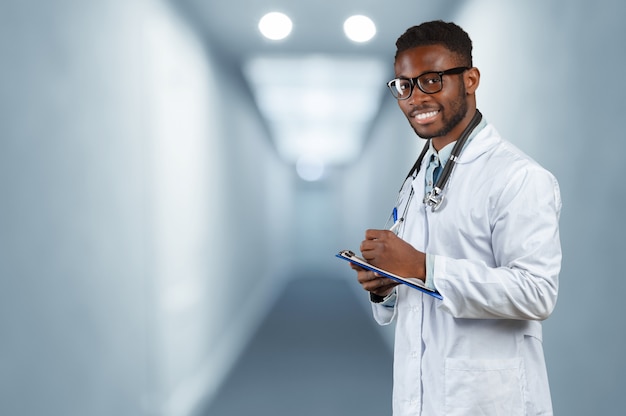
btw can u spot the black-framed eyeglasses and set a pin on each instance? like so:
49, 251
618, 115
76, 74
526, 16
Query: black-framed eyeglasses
428, 82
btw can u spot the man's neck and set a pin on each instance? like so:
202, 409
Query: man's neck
454, 134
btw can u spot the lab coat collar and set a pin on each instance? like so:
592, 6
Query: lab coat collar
484, 140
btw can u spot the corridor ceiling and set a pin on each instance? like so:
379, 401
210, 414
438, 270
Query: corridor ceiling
318, 64
317, 24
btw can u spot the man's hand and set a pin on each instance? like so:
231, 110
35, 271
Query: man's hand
384, 249
373, 282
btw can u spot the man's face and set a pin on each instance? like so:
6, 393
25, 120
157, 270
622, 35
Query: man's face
436, 115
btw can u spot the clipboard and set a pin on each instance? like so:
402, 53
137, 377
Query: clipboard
412, 282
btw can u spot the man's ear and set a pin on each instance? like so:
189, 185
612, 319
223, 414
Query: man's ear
472, 79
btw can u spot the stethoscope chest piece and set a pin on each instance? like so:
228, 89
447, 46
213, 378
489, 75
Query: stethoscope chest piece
434, 199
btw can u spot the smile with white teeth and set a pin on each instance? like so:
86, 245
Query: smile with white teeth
423, 116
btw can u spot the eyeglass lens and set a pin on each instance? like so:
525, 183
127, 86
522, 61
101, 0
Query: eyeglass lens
428, 83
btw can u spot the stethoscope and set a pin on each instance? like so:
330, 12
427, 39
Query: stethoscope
435, 197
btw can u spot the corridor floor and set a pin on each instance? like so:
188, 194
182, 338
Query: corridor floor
318, 353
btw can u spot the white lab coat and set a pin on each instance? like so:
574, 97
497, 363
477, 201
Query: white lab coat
497, 260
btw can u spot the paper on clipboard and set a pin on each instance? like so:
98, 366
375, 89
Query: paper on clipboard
412, 282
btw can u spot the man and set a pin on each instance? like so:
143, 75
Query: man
483, 234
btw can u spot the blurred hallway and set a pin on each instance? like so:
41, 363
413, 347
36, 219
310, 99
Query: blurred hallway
317, 353
137, 165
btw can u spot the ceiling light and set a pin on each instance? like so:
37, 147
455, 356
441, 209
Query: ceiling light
359, 28
275, 26
310, 168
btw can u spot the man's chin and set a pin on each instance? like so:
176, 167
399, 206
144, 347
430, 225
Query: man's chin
424, 133
431, 132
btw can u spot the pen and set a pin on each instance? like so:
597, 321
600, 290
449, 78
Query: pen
395, 225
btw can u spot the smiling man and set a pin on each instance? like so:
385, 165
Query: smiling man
477, 222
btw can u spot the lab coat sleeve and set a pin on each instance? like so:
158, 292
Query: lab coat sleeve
526, 251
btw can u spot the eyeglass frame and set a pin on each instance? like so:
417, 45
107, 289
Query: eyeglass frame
415, 81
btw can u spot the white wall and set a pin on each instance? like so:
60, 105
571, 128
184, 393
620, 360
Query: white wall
551, 83
129, 177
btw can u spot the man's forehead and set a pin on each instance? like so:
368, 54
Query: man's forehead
424, 58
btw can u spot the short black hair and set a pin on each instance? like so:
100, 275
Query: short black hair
438, 32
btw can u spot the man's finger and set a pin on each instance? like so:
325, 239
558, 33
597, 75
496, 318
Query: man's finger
373, 234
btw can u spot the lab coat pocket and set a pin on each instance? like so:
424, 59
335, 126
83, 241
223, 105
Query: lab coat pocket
484, 387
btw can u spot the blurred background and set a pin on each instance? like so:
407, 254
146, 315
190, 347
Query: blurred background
174, 187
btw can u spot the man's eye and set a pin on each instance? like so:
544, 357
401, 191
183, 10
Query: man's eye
431, 80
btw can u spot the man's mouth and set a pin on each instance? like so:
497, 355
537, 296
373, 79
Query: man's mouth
423, 118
